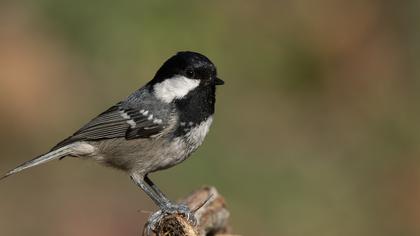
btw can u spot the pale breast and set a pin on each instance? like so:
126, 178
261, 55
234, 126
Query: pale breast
180, 148
195, 135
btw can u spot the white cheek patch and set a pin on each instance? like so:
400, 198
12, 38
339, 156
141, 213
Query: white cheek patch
175, 87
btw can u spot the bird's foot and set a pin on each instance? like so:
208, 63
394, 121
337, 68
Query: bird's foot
169, 209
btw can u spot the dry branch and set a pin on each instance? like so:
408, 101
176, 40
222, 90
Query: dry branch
212, 217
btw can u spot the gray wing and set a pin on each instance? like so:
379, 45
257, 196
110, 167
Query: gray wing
117, 122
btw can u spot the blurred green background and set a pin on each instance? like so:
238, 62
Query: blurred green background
316, 130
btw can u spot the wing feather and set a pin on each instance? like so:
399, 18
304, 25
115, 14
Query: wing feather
116, 122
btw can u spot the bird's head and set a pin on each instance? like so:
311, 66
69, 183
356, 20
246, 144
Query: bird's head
183, 73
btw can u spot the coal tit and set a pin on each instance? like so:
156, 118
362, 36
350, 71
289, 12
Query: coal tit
156, 127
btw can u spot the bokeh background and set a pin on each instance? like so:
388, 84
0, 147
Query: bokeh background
316, 130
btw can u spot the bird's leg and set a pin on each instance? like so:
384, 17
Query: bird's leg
169, 206
139, 180
166, 206
155, 188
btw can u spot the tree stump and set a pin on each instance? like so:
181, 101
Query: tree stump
212, 217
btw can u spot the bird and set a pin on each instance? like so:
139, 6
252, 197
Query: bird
156, 127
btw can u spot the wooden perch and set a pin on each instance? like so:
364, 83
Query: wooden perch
212, 217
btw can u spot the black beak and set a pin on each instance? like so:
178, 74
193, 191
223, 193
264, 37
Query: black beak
218, 81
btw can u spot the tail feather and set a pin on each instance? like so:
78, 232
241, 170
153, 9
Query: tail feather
53, 155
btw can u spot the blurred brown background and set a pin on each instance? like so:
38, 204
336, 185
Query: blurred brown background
316, 129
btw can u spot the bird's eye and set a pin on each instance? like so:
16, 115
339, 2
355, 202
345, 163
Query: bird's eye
189, 73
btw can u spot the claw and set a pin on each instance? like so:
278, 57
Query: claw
169, 209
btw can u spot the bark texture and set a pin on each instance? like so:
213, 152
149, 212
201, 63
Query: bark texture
211, 213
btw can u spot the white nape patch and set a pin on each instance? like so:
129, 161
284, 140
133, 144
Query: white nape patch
175, 87
129, 121
196, 135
